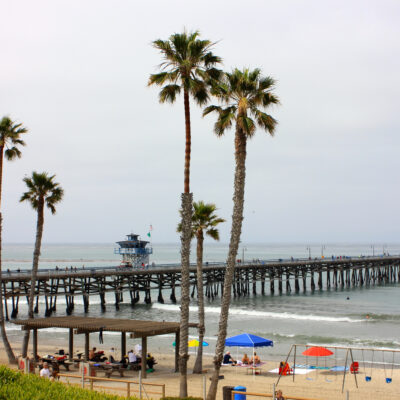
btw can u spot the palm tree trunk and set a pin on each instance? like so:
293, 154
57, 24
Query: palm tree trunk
236, 230
6, 343
188, 143
187, 200
7, 346
35, 264
198, 366
185, 299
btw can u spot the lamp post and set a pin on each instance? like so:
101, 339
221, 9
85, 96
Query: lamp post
373, 250
243, 249
309, 252
322, 251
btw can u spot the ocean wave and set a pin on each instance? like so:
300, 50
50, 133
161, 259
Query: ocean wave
265, 314
382, 317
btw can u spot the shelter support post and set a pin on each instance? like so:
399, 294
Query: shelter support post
123, 344
35, 342
177, 351
71, 344
86, 346
144, 356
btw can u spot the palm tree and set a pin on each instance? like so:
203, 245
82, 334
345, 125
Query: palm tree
243, 95
203, 220
42, 191
188, 63
10, 139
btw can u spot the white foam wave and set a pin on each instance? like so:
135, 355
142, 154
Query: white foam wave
258, 314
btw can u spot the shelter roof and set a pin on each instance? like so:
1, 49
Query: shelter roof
138, 328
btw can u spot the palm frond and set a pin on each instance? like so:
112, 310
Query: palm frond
211, 109
13, 153
265, 121
160, 78
224, 121
168, 93
214, 233
246, 124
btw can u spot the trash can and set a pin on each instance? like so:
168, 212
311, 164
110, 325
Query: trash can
237, 395
227, 392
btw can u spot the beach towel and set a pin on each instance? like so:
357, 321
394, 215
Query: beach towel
298, 371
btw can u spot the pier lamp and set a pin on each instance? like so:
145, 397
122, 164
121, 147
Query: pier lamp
309, 251
243, 249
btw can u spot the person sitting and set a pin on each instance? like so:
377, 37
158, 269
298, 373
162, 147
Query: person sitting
245, 359
150, 361
228, 359
45, 372
111, 356
279, 395
284, 368
92, 354
132, 360
255, 359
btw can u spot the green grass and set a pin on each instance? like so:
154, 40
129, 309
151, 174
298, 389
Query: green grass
17, 386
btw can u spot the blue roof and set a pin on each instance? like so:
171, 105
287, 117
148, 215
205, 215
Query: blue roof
248, 340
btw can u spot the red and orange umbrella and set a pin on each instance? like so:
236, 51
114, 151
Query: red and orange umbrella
317, 351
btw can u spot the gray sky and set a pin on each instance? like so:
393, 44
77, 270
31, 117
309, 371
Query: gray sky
75, 73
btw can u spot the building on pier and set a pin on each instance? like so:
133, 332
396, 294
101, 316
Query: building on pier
135, 252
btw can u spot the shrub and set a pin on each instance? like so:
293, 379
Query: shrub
17, 386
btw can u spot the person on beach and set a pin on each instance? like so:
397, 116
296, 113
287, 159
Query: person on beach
111, 356
132, 357
255, 359
279, 395
92, 354
228, 359
45, 372
245, 359
150, 361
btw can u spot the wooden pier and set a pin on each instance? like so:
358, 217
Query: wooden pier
252, 278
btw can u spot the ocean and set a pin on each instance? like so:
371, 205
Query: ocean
359, 317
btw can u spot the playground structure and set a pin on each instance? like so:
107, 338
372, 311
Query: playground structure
351, 363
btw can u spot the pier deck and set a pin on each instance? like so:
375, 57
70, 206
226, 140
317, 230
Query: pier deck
251, 278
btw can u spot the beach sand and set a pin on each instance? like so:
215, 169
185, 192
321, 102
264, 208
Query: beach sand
315, 385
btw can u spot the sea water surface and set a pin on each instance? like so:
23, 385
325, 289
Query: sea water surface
361, 317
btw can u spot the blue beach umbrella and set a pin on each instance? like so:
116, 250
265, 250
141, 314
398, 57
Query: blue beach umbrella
248, 340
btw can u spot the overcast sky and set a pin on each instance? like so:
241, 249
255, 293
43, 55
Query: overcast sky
75, 73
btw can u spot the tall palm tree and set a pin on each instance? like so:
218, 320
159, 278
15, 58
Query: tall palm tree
188, 63
10, 140
42, 191
243, 94
205, 220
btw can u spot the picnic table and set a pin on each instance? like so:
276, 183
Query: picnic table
56, 363
110, 368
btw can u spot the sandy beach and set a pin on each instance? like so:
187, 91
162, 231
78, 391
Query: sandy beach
314, 385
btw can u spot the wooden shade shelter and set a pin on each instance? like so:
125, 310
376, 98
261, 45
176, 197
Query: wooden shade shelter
86, 325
